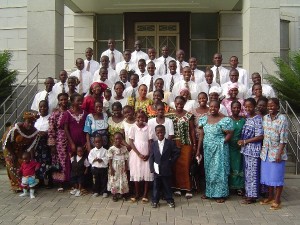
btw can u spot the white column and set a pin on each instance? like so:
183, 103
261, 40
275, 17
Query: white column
261, 34
45, 36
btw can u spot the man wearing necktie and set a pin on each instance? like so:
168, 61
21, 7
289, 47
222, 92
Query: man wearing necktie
221, 74
165, 59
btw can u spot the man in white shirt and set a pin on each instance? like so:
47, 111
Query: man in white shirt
234, 77
113, 54
171, 78
132, 90
138, 53
62, 85
85, 78
180, 61
221, 74
112, 74
206, 85
186, 83
102, 78
243, 75
214, 94
158, 65
126, 64
267, 90
90, 65
123, 77
48, 94
150, 78
141, 70
165, 59
197, 75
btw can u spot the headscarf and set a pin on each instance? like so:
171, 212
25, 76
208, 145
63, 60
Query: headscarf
233, 86
30, 116
215, 89
103, 87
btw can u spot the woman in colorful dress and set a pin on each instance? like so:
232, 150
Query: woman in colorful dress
233, 91
236, 177
96, 124
73, 120
42, 153
273, 155
57, 141
158, 96
22, 137
115, 123
185, 138
142, 102
251, 141
215, 133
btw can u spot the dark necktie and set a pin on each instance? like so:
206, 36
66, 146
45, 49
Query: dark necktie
172, 84
218, 76
193, 75
63, 90
112, 60
151, 85
166, 67
47, 96
88, 66
181, 68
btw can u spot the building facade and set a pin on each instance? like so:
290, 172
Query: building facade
55, 32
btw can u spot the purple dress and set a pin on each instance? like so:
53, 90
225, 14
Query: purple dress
76, 125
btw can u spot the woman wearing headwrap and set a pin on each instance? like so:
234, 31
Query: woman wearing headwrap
233, 91
22, 137
214, 94
189, 104
96, 91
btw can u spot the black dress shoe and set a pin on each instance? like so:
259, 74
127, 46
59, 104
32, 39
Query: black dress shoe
171, 204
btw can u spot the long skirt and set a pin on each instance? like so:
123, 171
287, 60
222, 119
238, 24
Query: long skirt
272, 173
13, 170
236, 177
252, 178
181, 170
43, 156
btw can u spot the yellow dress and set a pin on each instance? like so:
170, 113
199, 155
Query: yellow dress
138, 104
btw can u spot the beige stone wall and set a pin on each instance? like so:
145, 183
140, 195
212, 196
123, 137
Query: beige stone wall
69, 61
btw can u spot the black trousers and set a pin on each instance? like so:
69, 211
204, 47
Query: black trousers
100, 178
163, 182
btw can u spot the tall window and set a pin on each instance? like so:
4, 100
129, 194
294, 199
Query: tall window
284, 39
204, 37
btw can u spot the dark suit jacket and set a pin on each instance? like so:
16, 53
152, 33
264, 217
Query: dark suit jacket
165, 161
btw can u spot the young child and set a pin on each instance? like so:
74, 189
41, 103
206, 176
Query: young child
27, 171
107, 102
98, 160
117, 178
79, 165
140, 137
163, 153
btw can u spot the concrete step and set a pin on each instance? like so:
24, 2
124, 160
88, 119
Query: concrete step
290, 167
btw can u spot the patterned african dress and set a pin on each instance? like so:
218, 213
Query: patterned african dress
181, 171
152, 113
97, 127
251, 151
141, 104
118, 183
236, 177
17, 142
114, 127
216, 156
57, 138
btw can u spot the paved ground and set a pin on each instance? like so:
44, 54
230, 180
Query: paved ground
51, 207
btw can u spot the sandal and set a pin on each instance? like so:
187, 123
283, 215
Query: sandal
60, 190
275, 206
145, 200
220, 200
248, 201
188, 195
133, 200
240, 192
266, 201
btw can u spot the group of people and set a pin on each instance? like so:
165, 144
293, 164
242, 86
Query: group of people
134, 118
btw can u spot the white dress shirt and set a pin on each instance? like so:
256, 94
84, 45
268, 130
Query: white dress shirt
243, 77
117, 55
100, 154
242, 90
194, 89
167, 80
94, 65
77, 158
109, 84
199, 76
224, 74
112, 75
57, 88
162, 61
42, 123
146, 80
52, 100
137, 55
169, 127
121, 65
203, 86
138, 72
161, 145
159, 68
128, 92
183, 64
87, 79
267, 91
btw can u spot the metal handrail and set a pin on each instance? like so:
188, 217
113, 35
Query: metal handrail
17, 112
263, 68
293, 142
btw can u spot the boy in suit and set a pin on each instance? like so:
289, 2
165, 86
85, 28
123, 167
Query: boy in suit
163, 154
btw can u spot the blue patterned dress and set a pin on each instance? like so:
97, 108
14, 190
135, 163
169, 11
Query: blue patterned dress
216, 157
251, 151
